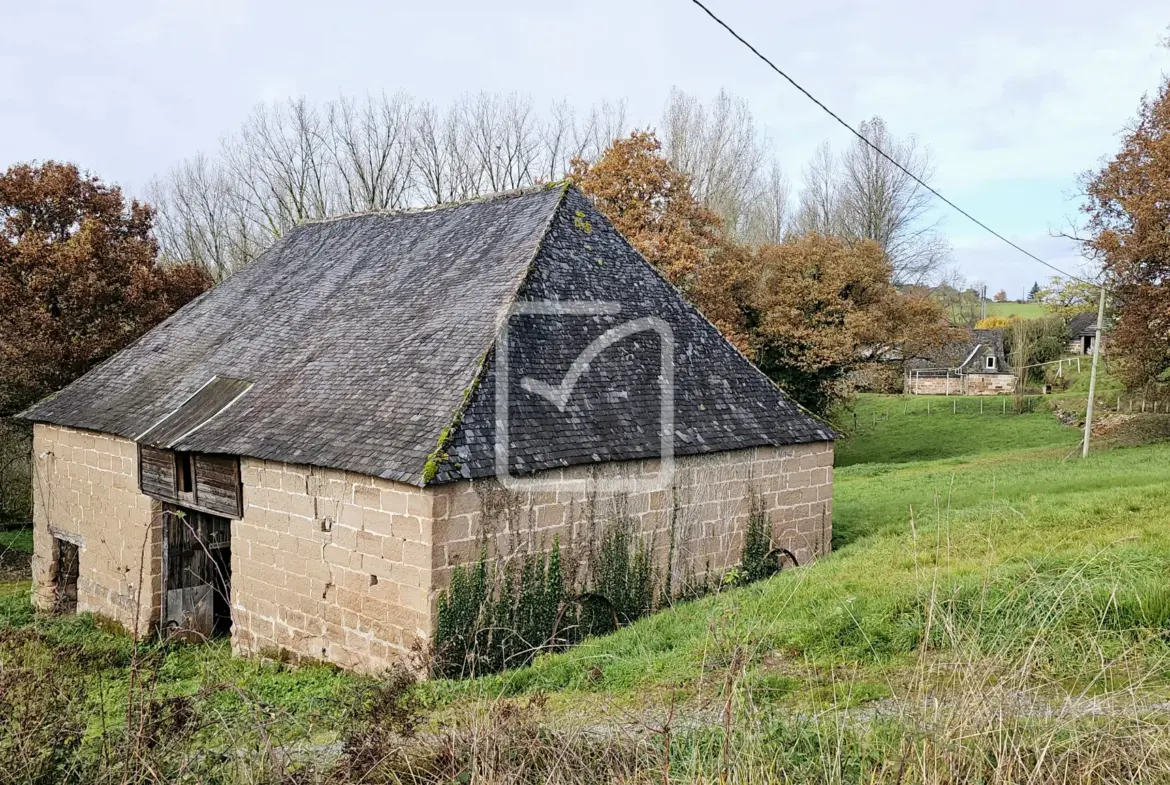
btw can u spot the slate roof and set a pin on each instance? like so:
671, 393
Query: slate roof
1082, 324
967, 355
368, 339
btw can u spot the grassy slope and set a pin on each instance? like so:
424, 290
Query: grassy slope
1051, 549
900, 429
1072, 552
1022, 310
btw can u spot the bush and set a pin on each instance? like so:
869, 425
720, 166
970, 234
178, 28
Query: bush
15, 471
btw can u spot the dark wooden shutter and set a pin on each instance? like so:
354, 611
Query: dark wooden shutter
216, 479
217, 484
156, 472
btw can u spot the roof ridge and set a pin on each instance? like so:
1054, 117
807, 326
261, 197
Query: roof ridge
692, 307
495, 196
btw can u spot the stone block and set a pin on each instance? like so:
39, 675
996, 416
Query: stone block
367, 496
406, 528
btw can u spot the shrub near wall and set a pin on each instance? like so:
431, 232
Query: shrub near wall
15, 473
497, 617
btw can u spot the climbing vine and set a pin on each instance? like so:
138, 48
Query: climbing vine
492, 618
756, 562
498, 615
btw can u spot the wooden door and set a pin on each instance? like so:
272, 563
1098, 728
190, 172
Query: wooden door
68, 569
198, 583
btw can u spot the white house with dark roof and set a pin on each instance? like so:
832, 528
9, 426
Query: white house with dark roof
302, 456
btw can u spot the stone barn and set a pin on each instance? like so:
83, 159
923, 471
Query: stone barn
1082, 333
975, 365
302, 456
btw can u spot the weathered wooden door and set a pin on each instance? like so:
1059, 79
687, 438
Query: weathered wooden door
65, 594
198, 581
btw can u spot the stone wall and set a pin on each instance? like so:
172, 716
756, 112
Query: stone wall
969, 384
933, 385
347, 568
85, 489
707, 511
990, 384
330, 565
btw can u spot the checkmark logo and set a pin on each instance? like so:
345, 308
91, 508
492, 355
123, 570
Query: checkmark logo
558, 394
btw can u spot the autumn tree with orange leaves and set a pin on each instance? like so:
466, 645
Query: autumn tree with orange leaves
1128, 208
819, 307
651, 203
78, 278
808, 311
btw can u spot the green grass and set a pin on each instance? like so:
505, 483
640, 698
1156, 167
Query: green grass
16, 539
1020, 310
902, 429
295, 703
1029, 550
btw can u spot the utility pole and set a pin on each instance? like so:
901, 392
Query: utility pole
1093, 374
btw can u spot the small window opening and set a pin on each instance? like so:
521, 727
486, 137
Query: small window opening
68, 568
183, 471
991, 363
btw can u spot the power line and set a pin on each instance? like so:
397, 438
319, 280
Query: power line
882, 152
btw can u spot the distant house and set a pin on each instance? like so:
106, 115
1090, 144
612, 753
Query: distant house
303, 456
975, 365
1082, 333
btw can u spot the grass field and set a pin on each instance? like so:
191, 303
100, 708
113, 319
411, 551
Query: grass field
1017, 310
17, 539
994, 611
1004, 514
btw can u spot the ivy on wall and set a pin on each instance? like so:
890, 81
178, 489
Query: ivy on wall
497, 615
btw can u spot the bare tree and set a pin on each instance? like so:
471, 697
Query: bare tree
820, 199
371, 146
770, 218
961, 298
604, 124
440, 156
295, 161
722, 150
881, 202
196, 224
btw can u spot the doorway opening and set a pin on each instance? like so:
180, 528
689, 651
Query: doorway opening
197, 565
68, 569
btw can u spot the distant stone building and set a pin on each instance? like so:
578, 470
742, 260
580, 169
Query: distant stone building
302, 456
975, 365
1082, 333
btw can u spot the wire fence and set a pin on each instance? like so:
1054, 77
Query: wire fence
941, 406
1069, 405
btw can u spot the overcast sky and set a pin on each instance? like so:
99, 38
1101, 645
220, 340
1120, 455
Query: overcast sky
1014, 98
